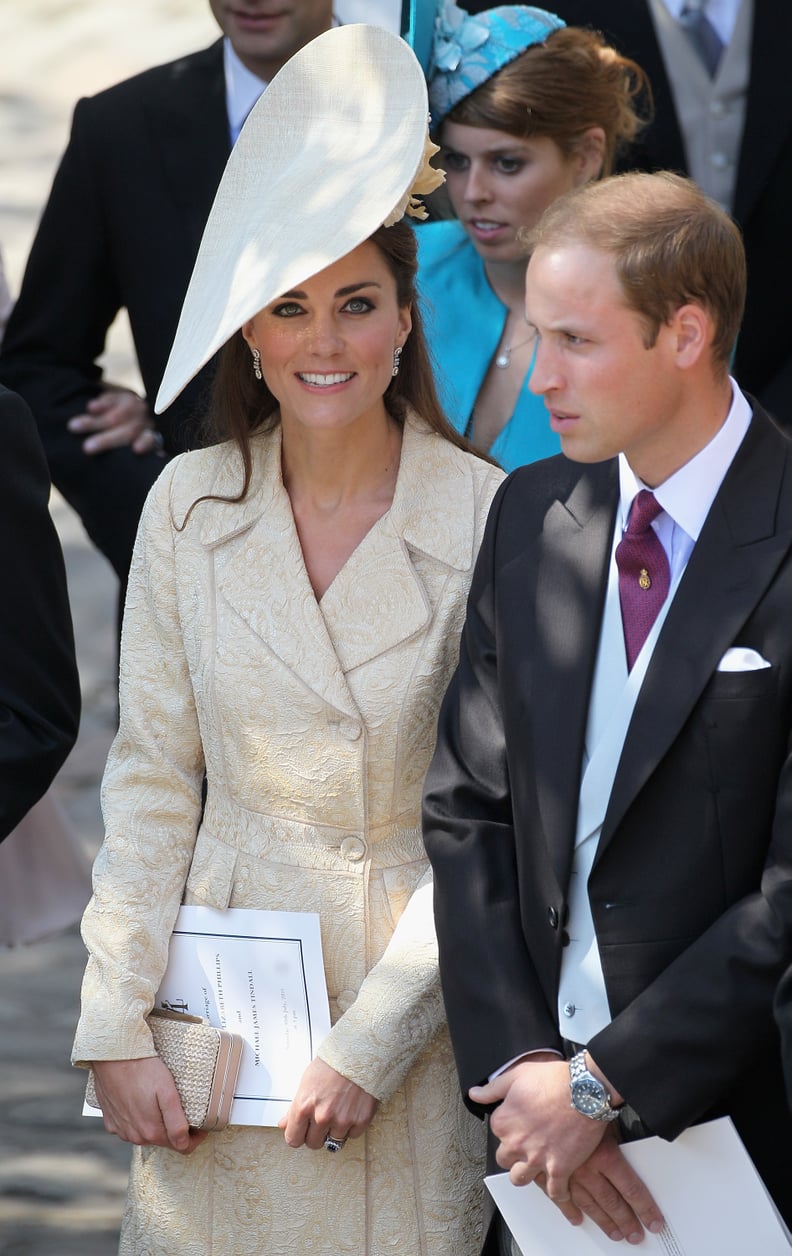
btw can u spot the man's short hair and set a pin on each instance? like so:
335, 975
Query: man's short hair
671, 245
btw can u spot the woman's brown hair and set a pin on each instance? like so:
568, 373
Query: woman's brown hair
240, 405
561, 88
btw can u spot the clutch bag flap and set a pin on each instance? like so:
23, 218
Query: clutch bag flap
204, 1062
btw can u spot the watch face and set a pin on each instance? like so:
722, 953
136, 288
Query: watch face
588, 1096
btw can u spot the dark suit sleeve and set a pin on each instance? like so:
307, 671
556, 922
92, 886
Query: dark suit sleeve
55, 336
39, 686
783, 1015
495, 1006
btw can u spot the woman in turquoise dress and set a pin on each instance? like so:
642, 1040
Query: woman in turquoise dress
524, 109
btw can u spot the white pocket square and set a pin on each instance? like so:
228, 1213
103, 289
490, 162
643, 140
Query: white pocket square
742, 659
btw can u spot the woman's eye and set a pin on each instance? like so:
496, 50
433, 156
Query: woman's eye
287, 309
509, 165
358, 305
456, 162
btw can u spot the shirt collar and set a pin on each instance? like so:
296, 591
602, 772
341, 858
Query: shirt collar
721, 13
687, 495
243, 89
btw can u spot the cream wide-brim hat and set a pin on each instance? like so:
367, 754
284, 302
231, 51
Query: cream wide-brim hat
327, 155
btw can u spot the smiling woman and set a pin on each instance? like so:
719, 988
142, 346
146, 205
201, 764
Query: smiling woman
525, 109
293, 617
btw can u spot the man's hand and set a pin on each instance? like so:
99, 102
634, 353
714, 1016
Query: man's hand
326, 1103
140, 1103
544, 1140
117, 417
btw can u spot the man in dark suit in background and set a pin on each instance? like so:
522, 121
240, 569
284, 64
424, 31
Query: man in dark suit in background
609, 809
121, 229
731, 130
39, 685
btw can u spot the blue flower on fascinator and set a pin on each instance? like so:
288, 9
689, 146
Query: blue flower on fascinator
467, 50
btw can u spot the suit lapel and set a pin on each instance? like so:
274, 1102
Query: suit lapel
571, 584
188, 126
736, 556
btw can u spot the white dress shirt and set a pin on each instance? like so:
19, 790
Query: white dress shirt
721, 13
243, 89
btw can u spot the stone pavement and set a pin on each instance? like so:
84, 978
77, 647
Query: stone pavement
62, 1178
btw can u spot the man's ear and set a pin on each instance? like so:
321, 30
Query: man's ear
693, 332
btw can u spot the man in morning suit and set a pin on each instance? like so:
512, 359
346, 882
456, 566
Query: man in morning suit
39, 685
121, 229
609, 809
731, 130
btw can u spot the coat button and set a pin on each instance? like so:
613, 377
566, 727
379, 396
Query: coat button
350, 730
569, 1009
353, 848
552, 917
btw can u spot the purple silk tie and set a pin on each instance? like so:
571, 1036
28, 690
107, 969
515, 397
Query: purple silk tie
644, 575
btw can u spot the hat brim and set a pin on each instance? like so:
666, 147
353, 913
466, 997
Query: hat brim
328, 151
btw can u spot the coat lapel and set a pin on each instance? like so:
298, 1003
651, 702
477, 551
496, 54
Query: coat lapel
261, 575
188, 126
571, 584
377, 599
736, 556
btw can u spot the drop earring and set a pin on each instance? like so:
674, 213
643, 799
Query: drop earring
397, 352
257, 364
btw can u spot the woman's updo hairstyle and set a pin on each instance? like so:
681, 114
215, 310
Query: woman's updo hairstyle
561, 88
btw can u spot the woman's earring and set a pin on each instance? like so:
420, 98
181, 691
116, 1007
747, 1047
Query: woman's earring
397, 352
257, 364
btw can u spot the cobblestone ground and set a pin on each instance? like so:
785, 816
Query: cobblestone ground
62, 1177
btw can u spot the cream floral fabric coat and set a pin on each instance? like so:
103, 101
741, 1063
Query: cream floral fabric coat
314, 723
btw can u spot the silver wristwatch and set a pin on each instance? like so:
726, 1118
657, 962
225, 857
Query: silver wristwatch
588, 1095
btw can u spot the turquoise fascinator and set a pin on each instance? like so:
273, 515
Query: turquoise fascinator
468, 49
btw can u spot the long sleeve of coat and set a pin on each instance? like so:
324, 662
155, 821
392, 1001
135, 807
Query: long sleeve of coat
151, 802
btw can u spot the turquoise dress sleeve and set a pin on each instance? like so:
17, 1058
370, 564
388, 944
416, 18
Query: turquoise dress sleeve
464, 323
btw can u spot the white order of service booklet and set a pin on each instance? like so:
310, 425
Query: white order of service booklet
713, 1201
259, 974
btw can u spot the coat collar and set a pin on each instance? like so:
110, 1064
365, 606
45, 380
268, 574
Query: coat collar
378, 599
433, 509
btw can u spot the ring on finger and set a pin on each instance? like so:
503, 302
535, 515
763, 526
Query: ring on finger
334, 1144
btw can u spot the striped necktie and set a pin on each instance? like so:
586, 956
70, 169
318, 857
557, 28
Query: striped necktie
702, 34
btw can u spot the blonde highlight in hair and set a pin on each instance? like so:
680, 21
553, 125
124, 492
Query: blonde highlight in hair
560, 89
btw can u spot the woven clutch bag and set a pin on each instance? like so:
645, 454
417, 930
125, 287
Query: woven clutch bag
204, 1062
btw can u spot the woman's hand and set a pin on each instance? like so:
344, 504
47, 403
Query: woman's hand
326, 1103
140, 1103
